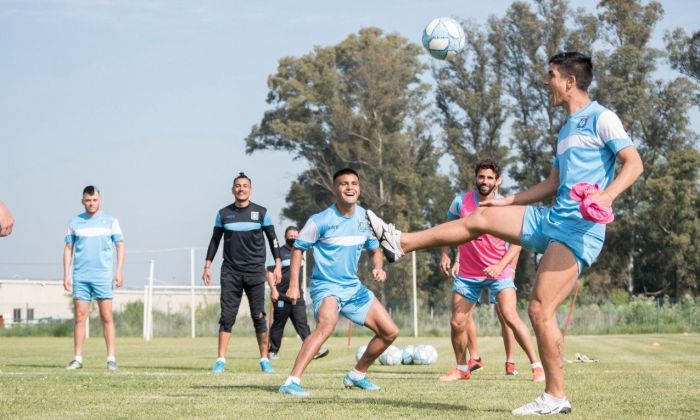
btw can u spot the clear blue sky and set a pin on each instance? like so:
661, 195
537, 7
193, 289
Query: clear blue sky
150, 100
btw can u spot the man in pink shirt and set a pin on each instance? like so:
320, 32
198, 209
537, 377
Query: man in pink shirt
485, 262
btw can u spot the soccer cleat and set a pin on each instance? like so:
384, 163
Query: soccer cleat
322, 352
74, 364
266, 367
455, 374
363, 383
538, 374
272, 355
389, 237
543, 406
475, 364
293, 389
112, 365
510, 369
219, 367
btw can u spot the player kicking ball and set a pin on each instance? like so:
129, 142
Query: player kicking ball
338, 235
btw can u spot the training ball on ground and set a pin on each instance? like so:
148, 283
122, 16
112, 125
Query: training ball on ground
391, 357
443, 38
424, 354
407, 355
360, 351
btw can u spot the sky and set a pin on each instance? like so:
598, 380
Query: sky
151, 100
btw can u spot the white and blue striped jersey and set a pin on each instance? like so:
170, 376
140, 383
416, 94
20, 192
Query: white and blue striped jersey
337, 241
93, 240
587, 147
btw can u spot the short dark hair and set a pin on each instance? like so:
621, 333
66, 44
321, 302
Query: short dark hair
290, 228
572, 63
242, 175
487, 164
91, 190
345, 171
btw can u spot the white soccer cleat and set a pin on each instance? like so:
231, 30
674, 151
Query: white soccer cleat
389, 237
543, 406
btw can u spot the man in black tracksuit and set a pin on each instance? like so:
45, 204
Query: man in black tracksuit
243, 226
284, 309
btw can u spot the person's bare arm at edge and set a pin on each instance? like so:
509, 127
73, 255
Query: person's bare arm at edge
274, 294
538, 192
67, 257
511, 256
632, 168
378, 272
294, 268
118, 274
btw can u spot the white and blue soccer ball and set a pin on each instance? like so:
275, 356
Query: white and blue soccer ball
360, 351
407, 355
424, 354
392, 356
443, 38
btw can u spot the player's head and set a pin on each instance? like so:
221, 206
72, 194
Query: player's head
487, 176
91, 199
290, 235
568, 72
242, 187
346, 186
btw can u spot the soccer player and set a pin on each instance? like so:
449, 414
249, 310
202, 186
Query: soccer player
486, 262
88, 271
6, 220
284, 309
338, 236
242, 225
587, 147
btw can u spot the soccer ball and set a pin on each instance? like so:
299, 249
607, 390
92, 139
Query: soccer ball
407, 355
392, 356
443, 38
424, 354
360, 351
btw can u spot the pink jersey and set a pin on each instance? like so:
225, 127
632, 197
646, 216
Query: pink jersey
482, 252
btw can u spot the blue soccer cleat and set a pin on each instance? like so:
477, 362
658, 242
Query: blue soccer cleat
266, 367
363, 383
293, 389
219, 367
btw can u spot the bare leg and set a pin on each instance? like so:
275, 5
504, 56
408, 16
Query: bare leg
503, 222
224, 337
385, 332
82, 309
105, 306
327, 319
511, 320
508, 337
556, 278
263, 344
463, 330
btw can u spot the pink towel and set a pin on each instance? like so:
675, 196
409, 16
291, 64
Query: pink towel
588, 206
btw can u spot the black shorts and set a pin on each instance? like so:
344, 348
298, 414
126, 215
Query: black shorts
233, 284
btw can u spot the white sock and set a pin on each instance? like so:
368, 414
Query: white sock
221, 359
462, 368
356, 375
111, 359
264, 359
553, 399
292, 379
536, 365
78, 359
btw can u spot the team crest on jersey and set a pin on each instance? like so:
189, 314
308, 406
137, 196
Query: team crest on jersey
254, 215
363, 225
582, 122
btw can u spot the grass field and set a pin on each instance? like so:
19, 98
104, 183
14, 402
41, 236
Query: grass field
168, 378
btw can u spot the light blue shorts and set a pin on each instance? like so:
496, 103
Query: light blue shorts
353, 302
91, 290
538, 232
471, 288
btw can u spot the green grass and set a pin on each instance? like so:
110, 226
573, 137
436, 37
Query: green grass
168, 378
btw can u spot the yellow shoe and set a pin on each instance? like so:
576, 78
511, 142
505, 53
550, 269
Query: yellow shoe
455, 375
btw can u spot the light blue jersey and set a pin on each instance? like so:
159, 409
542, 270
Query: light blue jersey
93, 240
337, 241
586, 151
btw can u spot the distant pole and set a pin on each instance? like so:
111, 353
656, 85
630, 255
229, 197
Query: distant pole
415, 295
571, 310
349, 333
151, 275
145, 312
192, 323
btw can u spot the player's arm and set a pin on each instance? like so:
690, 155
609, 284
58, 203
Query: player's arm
538, 192
294, 269
445, 261
118, 275
6, 220
67, 260
274, 294
510, 257
269, 230
378, 263
632, 168
211, 252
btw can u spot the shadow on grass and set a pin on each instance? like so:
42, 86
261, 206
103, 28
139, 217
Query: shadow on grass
266, 388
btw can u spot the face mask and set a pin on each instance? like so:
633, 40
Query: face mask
290, 242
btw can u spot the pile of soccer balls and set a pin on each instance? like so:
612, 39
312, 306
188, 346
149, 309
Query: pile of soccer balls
421, 354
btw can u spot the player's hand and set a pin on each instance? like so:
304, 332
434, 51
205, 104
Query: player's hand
67, 284
206, 277
6, 221
493, 271
274, 294
277, 273
501, 202
455, 269
379, 274
445, 264
602, 197
118, 281
293, 294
